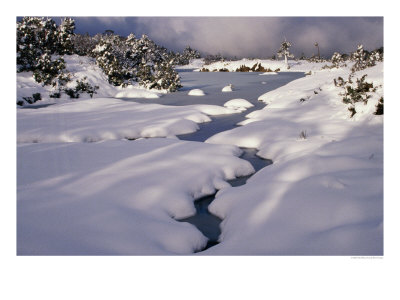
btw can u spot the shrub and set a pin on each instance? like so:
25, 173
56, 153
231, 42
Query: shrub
81, 87
379, 107
243, 68
303, 135
35, 97
354, 92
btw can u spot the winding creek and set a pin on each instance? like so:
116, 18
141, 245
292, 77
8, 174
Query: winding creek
248, 86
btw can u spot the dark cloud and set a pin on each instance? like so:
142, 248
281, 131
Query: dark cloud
246, 36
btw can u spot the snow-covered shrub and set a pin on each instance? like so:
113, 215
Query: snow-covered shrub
35, 37
187, 55
355, 91
209, 59
108, 62
337, 60
127, 60
84, 44
374, 57
35, 97
65, 32
82, 86
50, 72
38, 36
360, 59
165, 77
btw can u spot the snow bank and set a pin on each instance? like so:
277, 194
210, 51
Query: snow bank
238, 104
108, 119
324, 193
196, 92
104, 119
117, 197
274, 65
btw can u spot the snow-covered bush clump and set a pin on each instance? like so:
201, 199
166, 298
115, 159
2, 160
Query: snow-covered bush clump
128, 60
42, 45
187, 56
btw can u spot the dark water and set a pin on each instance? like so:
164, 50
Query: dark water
247, 86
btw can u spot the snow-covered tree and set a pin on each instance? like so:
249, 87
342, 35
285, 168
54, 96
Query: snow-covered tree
84, 44
50, 71
337, 59
108, 62
165, 77
374, 57
284, 51
187, 55
35, 36
360, 59
65, 33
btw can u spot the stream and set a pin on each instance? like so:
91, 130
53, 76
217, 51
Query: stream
248, 86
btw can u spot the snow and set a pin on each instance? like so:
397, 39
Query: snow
323, 195
238, 104
117, 197
107, 118
196, 92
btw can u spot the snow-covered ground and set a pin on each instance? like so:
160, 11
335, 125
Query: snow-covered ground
322, 195
324, 192
117, 197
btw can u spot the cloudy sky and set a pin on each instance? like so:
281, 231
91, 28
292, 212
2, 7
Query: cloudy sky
246, 36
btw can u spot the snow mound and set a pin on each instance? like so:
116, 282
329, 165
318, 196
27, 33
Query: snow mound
196, 92
238, 104
228, 88
269, 73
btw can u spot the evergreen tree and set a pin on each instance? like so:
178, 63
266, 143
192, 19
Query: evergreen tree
83, 44
108, 62
65, 33
359, 58
337, 59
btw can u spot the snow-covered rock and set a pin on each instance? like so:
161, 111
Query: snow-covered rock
196, 92
238, 104
228, 88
